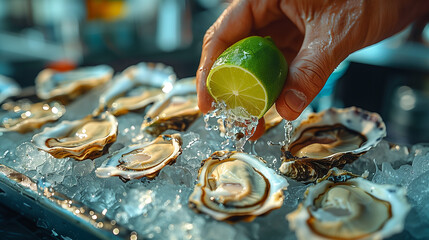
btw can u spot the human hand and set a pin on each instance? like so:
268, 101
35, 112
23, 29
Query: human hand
314, 36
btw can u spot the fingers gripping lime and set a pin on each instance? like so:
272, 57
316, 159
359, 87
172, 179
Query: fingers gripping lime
249, 74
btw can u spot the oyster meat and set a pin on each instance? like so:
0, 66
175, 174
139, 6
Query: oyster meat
136, 87
235, 186
344, 206
330, 139
177, 110
24, 117
142, 160
81, 139
66, 86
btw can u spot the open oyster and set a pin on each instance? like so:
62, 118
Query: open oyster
235, 186
136, 87
24, 117
177, 110
142, 160
330, 139
66, 86
80, 139
344, 206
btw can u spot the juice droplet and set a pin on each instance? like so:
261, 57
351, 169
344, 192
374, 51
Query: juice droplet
231, 125
288, 127
288, 133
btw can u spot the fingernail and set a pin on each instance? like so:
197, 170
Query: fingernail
296, 100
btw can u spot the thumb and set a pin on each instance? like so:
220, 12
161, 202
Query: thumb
307, 75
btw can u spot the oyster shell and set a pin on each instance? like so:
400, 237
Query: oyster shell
24, 117
136, 87
235, 186
79, 139
142, 160
66, 86
8, 88
330, 139
177, 110
344, 206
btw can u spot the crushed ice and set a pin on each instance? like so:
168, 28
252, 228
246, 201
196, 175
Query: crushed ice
157, 209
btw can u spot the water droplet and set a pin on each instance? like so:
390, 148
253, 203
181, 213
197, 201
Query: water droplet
288, 133
236, 129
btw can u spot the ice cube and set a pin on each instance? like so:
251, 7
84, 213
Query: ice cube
91, 194
176, 175
45, 168
30, 156
219, 230
421, 164
83, 168
129, 128
189, 139
360, 165
10, 140
68, 166
387, 152
421, 149
417, 223
57, 163
193, 155
104, 201
69, 181
55, 178
387, 175
137, 202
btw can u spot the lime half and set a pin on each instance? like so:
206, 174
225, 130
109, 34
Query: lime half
248, 75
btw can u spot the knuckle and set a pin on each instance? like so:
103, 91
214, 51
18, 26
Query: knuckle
313, 75
208, 36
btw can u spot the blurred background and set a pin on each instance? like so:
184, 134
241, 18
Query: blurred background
39, 33
391, 77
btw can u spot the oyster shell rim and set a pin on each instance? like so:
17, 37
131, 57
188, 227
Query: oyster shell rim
134, 174
138, 106
129, 78
311, 168
71, 91
311, 121
275, 189
91, 150
180, 121
32, 124
298, 219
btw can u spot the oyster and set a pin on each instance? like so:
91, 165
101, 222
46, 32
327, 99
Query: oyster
66, 86
136, 87
330, 139
235, 186
177, 110
142, 160
24, 117
8, 88
81, 139
344, 206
